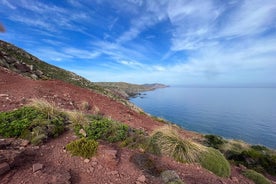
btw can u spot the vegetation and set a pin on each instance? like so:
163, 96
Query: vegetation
83, 147
256, 157
256, 177
32, 123
171, 177
215, 162
166, 141
214, 141
145, 162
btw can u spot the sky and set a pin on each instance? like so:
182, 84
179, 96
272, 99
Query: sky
175, 42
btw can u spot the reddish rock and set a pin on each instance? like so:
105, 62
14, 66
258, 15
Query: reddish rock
4, 167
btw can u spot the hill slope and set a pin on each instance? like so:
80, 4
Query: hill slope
22, 62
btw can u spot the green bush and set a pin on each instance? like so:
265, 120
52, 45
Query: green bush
32, 124
256, 177
214, 161
83, 147
258, 158
105, 129
214, 141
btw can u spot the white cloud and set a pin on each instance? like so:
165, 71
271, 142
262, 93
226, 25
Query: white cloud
8, 4
250, 17
81, 53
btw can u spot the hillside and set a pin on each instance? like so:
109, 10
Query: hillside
40, 118
22, 62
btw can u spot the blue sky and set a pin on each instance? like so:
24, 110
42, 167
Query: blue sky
187, 42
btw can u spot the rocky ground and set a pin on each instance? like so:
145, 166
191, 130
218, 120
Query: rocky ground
21, 162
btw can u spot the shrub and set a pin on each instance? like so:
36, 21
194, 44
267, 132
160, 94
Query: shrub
214, 161
32, 124
214, 141
83, 147
256, 177
258, 158
136, 139
105, 129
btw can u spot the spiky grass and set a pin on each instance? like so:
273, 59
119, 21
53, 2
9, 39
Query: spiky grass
77, 118
166, 141
46, 107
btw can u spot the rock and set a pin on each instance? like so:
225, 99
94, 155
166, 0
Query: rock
235, 179
170, 176
37, 167
4, 167
4, 95
24, 143
93, 163
141, 179
111, 153
82, 132
86, 160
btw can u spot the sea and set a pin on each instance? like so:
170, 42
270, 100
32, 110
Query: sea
247, 114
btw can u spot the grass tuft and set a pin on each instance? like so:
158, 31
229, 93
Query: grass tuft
46, 107
256, 177
166, 141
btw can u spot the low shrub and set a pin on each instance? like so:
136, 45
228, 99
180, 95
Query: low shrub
214, 141
136, 139
103, 128
256, 177
32, 124
83, 147
214, 161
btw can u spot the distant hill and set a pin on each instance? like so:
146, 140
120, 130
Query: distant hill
129, 90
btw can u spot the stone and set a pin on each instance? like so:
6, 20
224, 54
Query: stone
4, 167
4, 95
93, 163
82, 132
37, 167
111, 153
86, 160
24, 143
141, 179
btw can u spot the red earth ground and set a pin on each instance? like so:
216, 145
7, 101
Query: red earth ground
112, 163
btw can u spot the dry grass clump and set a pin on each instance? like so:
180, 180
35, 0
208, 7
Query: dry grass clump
77, 118
46, 107
166, 141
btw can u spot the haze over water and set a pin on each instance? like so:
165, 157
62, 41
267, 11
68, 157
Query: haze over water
247, 114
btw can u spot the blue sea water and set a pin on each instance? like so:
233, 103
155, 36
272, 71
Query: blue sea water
247, 114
